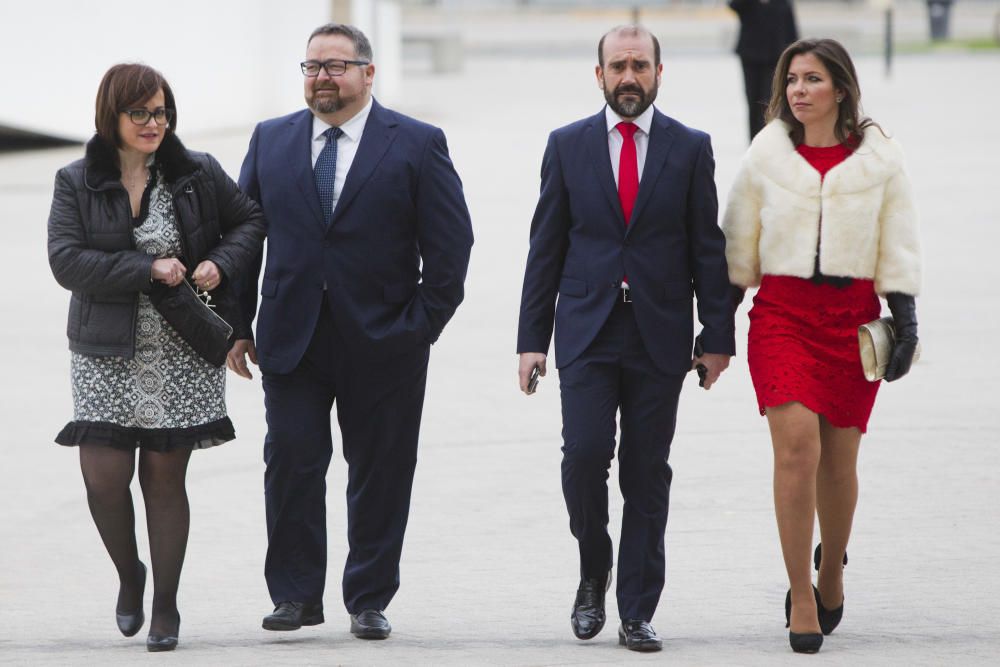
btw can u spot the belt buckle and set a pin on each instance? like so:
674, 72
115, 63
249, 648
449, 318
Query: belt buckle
626, 295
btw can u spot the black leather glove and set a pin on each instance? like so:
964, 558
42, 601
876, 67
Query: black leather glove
736, 295
904, 317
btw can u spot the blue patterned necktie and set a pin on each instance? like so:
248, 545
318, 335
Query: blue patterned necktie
325, 171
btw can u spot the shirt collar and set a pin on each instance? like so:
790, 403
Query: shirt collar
352, 129
644, 121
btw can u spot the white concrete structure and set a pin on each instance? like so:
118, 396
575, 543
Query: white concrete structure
230, 62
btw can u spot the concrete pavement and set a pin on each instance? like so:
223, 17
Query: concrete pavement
489, 568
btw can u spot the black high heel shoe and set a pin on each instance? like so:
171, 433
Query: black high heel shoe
157, 643
130, 623
829, 619
788, 605
809, 642
805, 642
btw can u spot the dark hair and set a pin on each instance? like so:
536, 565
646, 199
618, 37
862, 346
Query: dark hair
838, 62
631, 31
362, 47
124, 86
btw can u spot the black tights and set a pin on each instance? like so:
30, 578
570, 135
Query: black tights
107, 473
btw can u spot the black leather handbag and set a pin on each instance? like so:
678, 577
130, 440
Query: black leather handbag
195, 319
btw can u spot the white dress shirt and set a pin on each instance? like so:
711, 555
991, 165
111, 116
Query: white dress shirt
644, 122
347, 146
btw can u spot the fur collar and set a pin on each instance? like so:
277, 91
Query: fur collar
101, 160
773, 155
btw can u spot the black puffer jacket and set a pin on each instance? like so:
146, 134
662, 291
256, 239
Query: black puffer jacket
93, 254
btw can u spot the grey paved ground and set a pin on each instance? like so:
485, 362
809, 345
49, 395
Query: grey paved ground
489, 568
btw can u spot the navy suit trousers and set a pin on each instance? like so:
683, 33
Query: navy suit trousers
379, 401
614, 374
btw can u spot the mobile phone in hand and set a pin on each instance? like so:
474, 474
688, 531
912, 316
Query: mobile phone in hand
533, 380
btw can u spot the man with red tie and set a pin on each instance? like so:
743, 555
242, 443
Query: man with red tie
623, 238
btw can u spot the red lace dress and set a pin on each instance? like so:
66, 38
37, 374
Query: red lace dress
803, 342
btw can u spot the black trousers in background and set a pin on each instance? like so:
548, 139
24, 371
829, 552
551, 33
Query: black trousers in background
616, 373
757, 78
379, 404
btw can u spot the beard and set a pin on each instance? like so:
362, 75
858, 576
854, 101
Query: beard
630, 108
326, 103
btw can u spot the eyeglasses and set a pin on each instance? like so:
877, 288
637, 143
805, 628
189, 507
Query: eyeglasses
161, 115
311, 68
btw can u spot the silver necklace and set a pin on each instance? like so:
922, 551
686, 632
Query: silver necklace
131, 180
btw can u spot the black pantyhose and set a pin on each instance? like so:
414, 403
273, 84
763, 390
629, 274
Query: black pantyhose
107, 473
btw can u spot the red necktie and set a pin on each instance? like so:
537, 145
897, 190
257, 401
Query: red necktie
628, 170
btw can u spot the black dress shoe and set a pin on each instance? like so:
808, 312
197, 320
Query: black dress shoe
829, 619
370, 624
130, 622
588, 616
818, 556
166, 642
293, 615
638, 636
807, 642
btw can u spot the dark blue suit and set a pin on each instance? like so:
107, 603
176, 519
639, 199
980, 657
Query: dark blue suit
629, 357
393, 261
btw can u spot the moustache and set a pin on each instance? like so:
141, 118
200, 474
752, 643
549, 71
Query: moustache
621, 90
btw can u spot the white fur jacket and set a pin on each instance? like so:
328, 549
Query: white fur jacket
868, 229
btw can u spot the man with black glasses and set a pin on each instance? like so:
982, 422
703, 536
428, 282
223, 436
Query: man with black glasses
368, 244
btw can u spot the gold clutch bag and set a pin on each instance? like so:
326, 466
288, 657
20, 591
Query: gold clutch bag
875, 340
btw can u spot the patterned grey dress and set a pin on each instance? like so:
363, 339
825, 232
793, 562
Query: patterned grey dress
167, 396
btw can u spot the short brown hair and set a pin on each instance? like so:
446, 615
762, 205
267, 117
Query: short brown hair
362, 47
629, 30
838, 62
124, 86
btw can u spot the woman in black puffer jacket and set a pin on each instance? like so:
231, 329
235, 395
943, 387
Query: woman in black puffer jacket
140, 210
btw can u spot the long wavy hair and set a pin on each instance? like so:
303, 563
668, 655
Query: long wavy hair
850, 122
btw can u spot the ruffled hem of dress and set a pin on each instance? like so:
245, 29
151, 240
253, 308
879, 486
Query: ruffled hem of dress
129, 438
774, 401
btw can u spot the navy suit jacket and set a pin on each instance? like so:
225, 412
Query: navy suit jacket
393, 258
671, 249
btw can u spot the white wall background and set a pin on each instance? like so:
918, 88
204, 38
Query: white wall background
230, 63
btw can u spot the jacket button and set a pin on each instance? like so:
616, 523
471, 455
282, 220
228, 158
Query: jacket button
614, 284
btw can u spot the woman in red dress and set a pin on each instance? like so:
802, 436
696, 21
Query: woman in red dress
821, 218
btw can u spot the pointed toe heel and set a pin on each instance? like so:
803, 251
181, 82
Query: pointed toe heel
829, 619
807, 642
130, 622
156, 643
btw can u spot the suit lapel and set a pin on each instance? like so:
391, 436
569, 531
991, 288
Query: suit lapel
379, 132
301, 150
600, 158
661, 136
